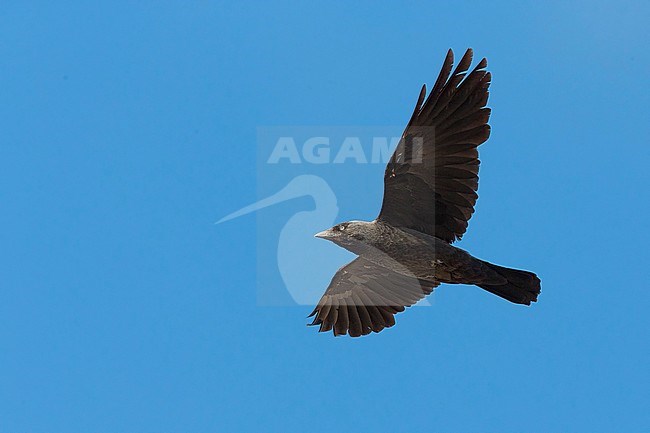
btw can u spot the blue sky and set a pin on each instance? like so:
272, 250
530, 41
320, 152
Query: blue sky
128, 128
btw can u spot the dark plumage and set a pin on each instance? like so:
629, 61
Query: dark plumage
430, 188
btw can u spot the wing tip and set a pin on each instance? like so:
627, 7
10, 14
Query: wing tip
450, 55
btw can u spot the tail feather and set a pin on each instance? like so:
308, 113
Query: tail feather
522, 287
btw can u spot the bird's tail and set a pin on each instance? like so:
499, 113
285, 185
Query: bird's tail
522, 287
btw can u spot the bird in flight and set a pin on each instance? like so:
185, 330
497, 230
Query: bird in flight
430, 186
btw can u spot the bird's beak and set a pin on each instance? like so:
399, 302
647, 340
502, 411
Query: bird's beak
325, 234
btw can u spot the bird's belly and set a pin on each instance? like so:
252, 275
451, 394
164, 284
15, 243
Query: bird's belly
423, 257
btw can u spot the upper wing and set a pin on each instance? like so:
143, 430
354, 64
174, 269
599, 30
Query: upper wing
431, 180
363, 297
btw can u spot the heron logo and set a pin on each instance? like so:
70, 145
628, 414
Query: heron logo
303, 175
301, 259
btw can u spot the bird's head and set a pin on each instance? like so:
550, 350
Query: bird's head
351, 235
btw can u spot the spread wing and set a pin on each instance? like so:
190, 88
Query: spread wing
431, 180
363, 297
